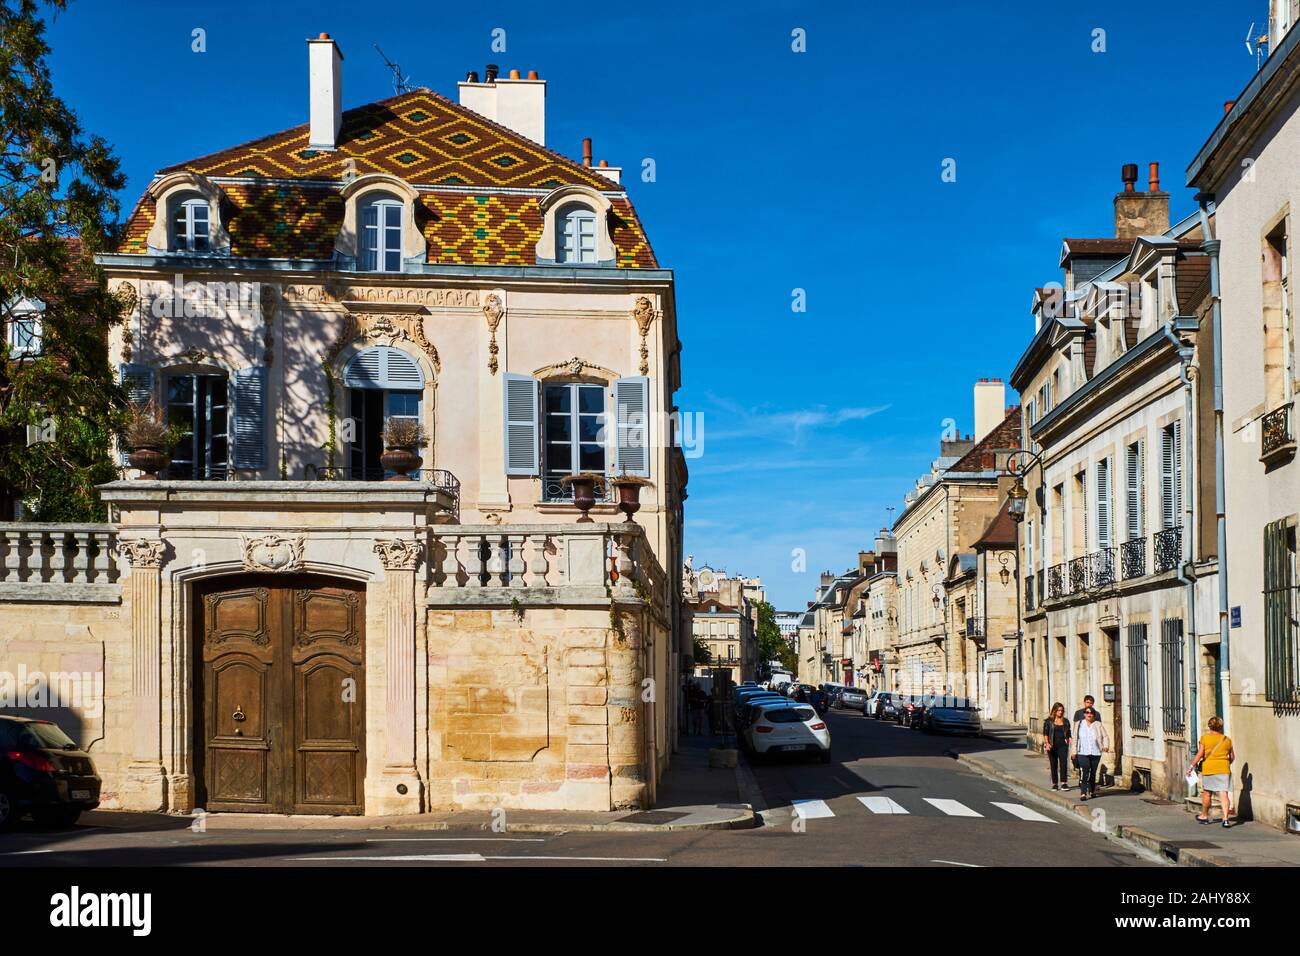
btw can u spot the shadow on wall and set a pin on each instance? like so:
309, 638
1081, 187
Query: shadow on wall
1244, 809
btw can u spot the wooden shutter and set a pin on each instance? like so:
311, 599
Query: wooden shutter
1134, 491
632, 425
137, 380
248, 417
1176, 430
521, 424
384, 366
1103, 504
1168, 508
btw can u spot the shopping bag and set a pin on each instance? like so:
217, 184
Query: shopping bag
1193, 778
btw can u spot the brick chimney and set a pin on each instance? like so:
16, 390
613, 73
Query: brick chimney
990, 406
513, 101
1141, 213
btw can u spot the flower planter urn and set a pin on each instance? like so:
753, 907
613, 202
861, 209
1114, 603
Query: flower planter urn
149, 460
629, 494
401, 460
584, 492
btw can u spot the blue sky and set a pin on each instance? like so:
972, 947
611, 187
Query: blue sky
776, 171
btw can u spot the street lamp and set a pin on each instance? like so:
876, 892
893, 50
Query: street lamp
1005, 574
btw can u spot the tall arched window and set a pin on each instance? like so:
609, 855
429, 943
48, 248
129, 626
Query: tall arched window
190, 225
383, 382
381, 234
577, 234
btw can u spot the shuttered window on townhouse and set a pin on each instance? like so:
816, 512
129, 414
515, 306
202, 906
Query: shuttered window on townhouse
1134, 491
521, 438
248, 418
1139, 708
1171, 475
1173, 707
1103, 505
1281, 614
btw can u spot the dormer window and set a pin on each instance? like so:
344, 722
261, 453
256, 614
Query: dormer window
190, 225
23, 331
577, 234
381, 234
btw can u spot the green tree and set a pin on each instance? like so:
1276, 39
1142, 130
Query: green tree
700, 652
771, 645
60, 408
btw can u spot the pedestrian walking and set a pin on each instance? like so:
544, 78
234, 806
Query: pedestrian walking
698, 705
1056, 744
1088, 701
1213, 760
1090, 742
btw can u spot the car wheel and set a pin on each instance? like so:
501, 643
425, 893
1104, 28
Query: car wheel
8, 811
57, 816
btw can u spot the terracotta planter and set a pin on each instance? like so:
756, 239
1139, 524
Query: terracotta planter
149, 460
629, 494
584, 492
400, 460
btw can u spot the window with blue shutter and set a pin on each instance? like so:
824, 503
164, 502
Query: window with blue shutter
632, 425
248, 418
521, 425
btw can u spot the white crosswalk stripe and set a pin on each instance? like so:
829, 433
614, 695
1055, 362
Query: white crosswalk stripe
952, 807
812, 809
1024, 813
881, 805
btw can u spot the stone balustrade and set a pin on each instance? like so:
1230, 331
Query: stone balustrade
58, 562
543, 564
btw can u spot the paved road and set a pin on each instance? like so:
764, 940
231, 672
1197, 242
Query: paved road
891, 795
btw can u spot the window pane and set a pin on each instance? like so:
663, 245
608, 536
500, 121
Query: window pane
393, 262
393, 216
180, 389
405, 404
589, 427
559, 428
591, 398
591, 458
557, 399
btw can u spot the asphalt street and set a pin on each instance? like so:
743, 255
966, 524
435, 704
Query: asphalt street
891, 796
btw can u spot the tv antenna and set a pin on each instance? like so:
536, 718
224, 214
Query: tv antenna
402, 84
891, 516
1255, 45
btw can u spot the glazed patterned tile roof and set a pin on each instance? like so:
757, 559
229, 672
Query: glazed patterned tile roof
481, 216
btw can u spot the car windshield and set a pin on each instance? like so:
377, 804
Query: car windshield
49, 736
789, 715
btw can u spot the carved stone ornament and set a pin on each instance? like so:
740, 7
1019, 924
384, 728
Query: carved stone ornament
270, 296
644, 313
194, 356
141, 553
493, 311
385, 328
399, 554
273, 552
575, 366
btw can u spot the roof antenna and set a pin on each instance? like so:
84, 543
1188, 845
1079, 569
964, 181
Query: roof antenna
401, 84
1256, 44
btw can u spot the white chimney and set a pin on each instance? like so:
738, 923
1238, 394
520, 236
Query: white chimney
990, 405
518, 104
325, 64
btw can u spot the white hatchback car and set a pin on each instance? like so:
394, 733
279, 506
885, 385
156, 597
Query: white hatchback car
785, 726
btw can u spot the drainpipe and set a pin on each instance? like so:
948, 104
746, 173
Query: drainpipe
1211, 247
1187, 373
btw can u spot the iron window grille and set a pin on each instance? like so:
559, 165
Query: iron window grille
1173, 707
1102, 568
1029, 592
1276, 432
1078, 575
1055, 577
1281, 615
1168, 547
1139, 708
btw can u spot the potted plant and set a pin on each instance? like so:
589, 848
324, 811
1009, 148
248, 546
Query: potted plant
629, 493
148, 440
403, 439
584, 491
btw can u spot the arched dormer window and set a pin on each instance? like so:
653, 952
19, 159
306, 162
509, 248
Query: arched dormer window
381, 233
191, 228
577, 234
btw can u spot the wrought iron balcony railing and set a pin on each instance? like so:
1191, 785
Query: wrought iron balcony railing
1055, 580
1029, 592
1277, 435
1078, 575
1101, 570
1168, 546
1133, 558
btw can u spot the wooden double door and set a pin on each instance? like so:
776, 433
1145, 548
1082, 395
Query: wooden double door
280, 695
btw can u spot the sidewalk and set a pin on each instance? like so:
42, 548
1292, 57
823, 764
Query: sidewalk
692, 796
1141, 818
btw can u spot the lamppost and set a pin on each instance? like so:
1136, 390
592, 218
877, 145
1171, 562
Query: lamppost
1018, 465
940, 602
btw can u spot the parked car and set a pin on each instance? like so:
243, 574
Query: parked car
854, 698
832, 692
783, 727
42, 772
817, 698
952, 716
883, 704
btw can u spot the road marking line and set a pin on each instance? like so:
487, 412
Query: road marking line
25, 852
1023, 812
455, 840
812, 809
881, 805
596, 859
952, 807
976, 866
411, 858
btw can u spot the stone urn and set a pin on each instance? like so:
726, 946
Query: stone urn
584, 491
149, 459
401, 460
629, 493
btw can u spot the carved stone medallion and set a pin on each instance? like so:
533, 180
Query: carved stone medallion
273, 552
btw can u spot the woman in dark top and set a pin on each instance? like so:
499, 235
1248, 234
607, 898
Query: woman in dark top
1056, 742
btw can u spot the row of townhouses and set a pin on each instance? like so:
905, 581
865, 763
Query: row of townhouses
1128, 530
300, 613
720, 615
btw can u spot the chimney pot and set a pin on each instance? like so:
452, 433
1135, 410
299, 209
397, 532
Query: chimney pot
1153, 184
1228, 105
586, 151
323, 36
532, 74
514, 74
471, 76
1130, 176
490, 73
604, 164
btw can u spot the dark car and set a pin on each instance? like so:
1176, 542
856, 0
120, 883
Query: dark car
44, 773
911, 710
952, 716
818, 700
